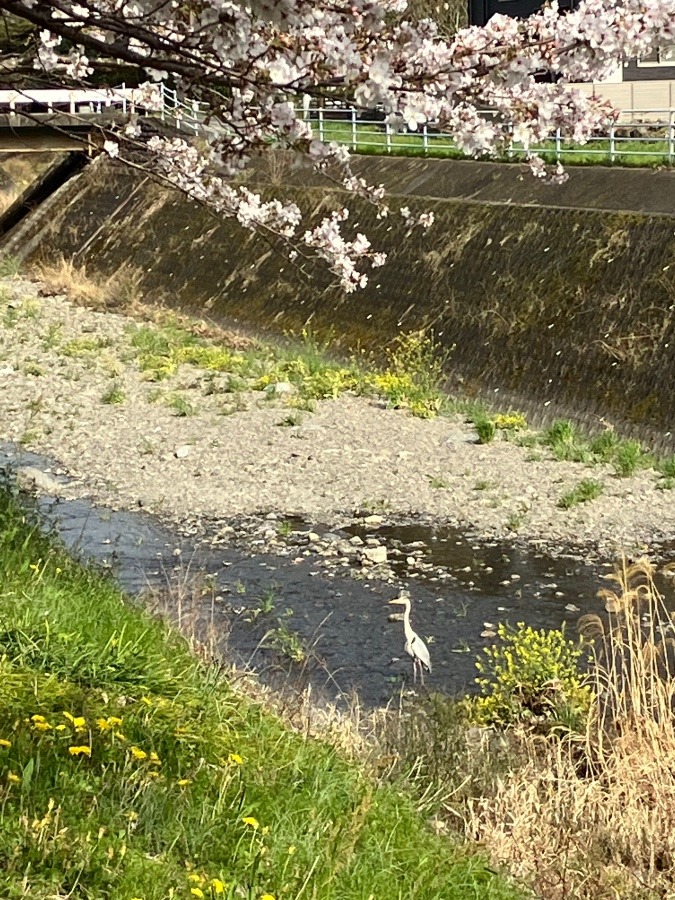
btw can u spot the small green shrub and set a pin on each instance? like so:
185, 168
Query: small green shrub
586, 490
531, 677
10, 266
83, 345
667, 467
292, 420
485, 428
181, 405
630, 456
437, 481
604, 445
566, 443
115, 395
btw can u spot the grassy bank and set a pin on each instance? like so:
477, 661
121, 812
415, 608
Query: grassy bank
371, 138
130, 770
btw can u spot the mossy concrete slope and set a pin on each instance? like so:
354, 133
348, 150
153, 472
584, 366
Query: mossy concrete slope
558, 307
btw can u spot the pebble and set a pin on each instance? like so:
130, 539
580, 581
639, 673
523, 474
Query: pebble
182, 451
373, 520
281, 388
374, 555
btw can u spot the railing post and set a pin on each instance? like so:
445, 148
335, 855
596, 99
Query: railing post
612, 143
124, 96
353, 112
558, 145
321, 123
387, 131
671, 137
425, 139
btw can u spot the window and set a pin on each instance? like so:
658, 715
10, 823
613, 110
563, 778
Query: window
660, 56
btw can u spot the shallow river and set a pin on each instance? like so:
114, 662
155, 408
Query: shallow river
345, 620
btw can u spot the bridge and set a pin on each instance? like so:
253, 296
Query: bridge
62, 119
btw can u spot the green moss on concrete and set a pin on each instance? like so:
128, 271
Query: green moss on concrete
568, 306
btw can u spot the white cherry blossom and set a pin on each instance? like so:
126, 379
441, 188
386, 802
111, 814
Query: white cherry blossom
248, 65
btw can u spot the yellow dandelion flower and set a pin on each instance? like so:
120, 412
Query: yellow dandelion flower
291, 850
59, 728
121, 737
58, 570
196, 892
137, 753
37, 718
217, 886
236, 759
195, 878
253, 822
42, 726
34, 567
103, 724
267, 897
114, 721
146, 700
183, 782
82, 750
78, 722
14, 779
5, 743
155, 759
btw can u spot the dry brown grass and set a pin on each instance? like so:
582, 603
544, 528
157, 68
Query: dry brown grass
118, 291
122, 292
593, 817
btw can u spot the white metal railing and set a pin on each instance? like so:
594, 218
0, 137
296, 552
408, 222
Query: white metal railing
160, 100
642, 134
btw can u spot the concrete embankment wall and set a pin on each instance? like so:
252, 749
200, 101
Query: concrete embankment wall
558, 296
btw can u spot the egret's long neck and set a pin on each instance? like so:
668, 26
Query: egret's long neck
407, 627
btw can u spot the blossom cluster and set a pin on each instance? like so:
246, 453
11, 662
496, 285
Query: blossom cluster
248, 64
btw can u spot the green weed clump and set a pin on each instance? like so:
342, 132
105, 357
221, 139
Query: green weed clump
485, 428
129, 769
531, 677
567, 442
115, 395
413, 375
586, 490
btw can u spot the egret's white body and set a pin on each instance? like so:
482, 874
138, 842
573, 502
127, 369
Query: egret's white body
414, 645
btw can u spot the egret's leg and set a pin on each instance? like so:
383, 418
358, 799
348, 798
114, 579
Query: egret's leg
422, 674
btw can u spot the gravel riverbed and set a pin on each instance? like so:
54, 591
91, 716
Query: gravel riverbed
351, 457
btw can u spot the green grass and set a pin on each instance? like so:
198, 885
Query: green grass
586, 490
130, 770
115, 395
410, 377
371, 138
567, 442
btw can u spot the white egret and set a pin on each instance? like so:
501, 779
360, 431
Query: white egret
414, 645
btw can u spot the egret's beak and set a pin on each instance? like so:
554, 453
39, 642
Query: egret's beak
396, 600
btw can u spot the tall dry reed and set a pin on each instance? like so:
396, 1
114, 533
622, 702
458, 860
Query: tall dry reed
591, 816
